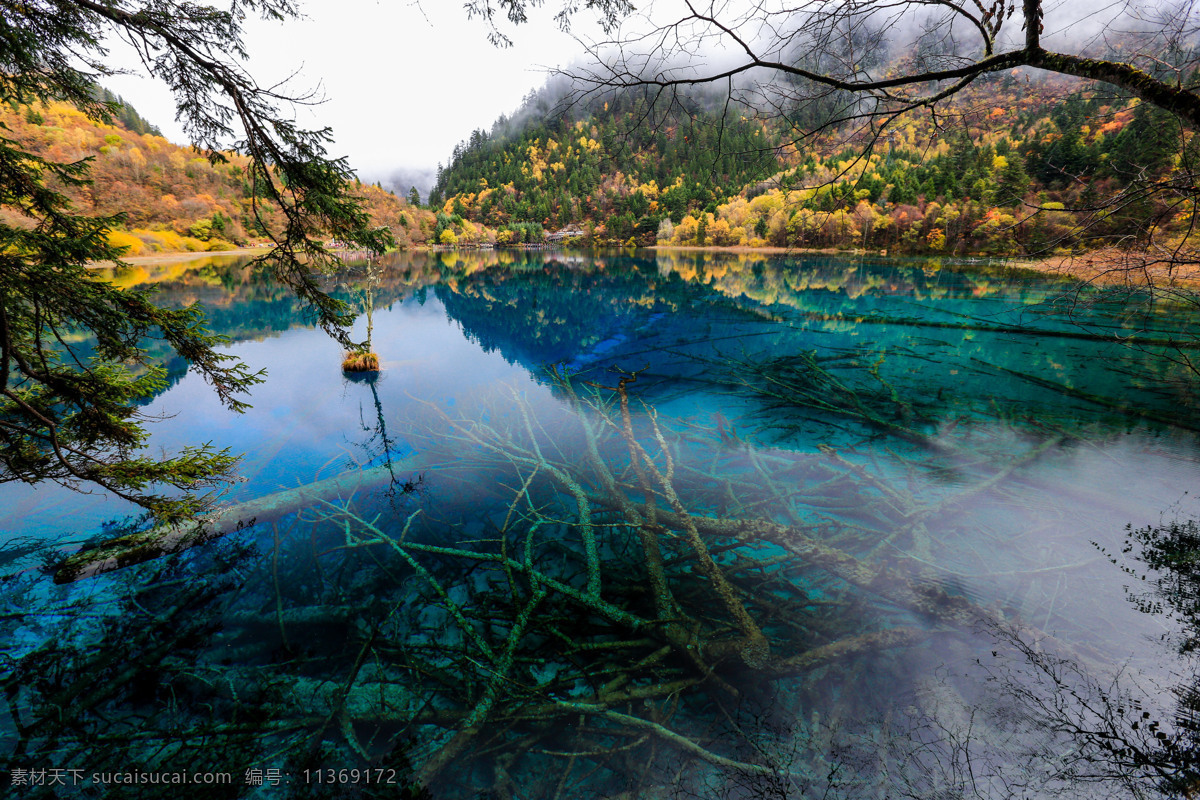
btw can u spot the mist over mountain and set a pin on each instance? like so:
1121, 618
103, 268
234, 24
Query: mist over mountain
401, 180
1015, 164
616, 157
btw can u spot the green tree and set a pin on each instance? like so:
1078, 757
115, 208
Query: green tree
69, 411
1147, 144
1011, 182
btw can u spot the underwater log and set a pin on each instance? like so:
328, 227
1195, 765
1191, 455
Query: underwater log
137, 548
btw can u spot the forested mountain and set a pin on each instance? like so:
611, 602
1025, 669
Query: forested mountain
1014, 165
618, 162
1017, 164
173, 198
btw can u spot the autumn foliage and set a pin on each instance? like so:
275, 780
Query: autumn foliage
1013, 165
171, 198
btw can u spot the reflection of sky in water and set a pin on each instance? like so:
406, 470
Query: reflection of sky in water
306, 421
986, 459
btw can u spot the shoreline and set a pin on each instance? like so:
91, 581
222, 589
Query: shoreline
1113, 267
742, 248
171, 258
1104, 267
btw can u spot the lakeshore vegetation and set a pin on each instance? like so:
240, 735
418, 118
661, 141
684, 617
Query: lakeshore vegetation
1014, 166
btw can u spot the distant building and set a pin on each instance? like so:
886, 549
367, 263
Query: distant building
565, 233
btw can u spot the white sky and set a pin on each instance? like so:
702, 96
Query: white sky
403, 82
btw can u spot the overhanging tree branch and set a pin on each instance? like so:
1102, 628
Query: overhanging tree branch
75, 420
780, 50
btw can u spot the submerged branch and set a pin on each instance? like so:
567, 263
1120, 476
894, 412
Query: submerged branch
137, 548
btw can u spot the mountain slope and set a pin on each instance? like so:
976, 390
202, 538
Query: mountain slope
617, 160
173, 198
1014, 165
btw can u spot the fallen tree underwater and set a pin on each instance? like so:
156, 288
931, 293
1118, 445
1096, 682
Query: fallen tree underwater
601, 572
620, 583
138, 548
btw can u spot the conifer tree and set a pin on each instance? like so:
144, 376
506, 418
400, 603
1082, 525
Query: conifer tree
73, 417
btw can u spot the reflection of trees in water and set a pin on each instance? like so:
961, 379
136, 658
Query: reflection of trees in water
958, 340
1112, 732
933, 346
379, 448
1072, 723
1130, 732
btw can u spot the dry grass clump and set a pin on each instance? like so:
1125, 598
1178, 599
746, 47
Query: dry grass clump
361, 361
1160, 267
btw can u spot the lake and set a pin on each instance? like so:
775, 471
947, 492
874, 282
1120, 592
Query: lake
675, 525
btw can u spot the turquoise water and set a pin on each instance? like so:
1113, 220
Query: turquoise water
665, 526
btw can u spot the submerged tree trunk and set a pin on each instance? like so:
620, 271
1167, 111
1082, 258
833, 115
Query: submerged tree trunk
138, 548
